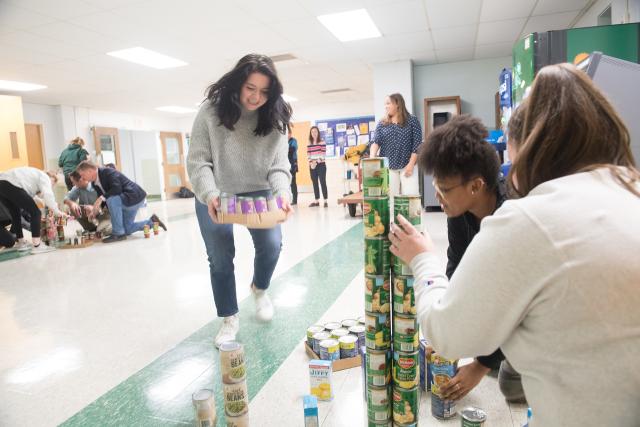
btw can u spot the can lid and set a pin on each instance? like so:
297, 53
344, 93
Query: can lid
340, 332
329, 343
348, 339
203, 394
471, 413
230, 346
321, 335
357, 328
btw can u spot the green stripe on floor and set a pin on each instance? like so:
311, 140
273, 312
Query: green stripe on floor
160, 394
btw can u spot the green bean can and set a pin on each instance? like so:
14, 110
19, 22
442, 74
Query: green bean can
376, 256
405, 333
378, 367
378, 333
406, 369
377, 294
374, 423
400, 268
405, 405
404, 300
376, 216
375, 176
473, 417
410, 207
378, 403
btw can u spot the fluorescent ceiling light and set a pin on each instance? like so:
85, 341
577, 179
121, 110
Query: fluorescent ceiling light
176, 109
348, 26
288, 98
147, 57
19, 86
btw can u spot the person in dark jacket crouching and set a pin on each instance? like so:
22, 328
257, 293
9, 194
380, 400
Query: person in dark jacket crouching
123, 198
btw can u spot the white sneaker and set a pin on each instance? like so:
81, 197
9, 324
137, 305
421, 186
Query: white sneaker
264, 308
41, 249
22, 245
228, 330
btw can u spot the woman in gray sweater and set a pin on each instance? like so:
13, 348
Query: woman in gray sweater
239, 146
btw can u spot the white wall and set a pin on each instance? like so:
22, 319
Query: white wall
141, 157
392, 77
622, 12
476, 82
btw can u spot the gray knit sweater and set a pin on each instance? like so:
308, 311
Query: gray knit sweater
237, 161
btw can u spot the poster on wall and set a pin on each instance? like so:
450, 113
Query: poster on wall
322, 126
341, 127
363, 139
331, 150
352, 140
364, 128
346, 132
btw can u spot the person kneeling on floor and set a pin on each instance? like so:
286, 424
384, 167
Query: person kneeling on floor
122, 196
81, 200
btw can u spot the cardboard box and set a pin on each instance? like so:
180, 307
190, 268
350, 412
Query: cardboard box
338, 365
261, 220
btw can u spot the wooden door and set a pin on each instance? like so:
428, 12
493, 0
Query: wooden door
300, 131
107, 146
173, 162
35, 145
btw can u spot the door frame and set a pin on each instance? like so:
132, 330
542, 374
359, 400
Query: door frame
97, 130
42, 148
183, 167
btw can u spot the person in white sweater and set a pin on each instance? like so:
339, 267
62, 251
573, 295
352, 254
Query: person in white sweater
239, 146
553, 278
18, 187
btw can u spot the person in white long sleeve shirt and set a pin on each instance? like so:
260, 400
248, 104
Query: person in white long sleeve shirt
18, 187
553, 277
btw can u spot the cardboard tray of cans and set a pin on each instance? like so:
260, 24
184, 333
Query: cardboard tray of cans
337, 365
86, 244
255, 220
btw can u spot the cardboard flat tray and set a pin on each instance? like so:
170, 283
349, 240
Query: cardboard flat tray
337, 365
86, 244
354, 198
261, 220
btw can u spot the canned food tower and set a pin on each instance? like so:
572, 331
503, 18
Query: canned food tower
234, 383
378, 302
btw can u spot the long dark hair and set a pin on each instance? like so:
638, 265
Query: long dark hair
224, 95
311, 135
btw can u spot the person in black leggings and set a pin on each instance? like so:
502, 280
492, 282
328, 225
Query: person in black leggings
316, 152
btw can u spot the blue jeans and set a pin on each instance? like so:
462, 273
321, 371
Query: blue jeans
123, 217
218, 239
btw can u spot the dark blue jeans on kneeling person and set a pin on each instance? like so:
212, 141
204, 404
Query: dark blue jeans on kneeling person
218, 239
123, 218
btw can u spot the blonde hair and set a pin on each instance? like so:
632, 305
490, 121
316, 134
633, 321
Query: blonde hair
78, 141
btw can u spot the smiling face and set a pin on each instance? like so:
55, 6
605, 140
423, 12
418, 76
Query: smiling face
255, 91
314, 134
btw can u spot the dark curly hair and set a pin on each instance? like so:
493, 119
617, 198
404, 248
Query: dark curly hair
458, 148
224, 95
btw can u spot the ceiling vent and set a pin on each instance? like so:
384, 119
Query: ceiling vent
283, 57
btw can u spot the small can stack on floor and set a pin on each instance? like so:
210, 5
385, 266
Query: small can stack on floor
234, 384
375, 173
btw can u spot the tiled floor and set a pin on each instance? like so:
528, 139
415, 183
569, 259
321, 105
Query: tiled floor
121, 334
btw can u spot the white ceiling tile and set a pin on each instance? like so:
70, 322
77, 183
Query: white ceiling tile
391, 19
558, 21
305, 33
60, 9
27, 40
332, 6
450, 13
111, 4
498, 32
547, 7
455, 55
28, 56
425, 59
78, 36
498, 10
493, 50
412, 42
274, 10
17, 18
454, 37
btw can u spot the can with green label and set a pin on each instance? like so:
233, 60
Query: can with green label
405, 405
378, 403
405, 333
473, 417
376, 216
404, 300
410, 207
375, 177
378, 333
406, 369
376, 256
374, 423
377, 294
400, 268
378, 367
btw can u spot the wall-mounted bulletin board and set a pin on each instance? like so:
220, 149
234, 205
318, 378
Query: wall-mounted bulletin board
339, 134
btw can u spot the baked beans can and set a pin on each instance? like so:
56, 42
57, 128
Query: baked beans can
425, 365
156, 228
232, 363
376, 256
404, 300
311, 331
359, 331
205, 408
376, 216
405, 405
378, 403
472, 417
378, 367
147, 231
260, 204
443, 370
347, 323
405, 333
246, 205
228, 203
330, 349
339, 333
330, 326
378, 333
400, 268
236, 399
348, 346
410, 207
375, 176
318, 337
406, 369
239, 421
377, 292
272, 204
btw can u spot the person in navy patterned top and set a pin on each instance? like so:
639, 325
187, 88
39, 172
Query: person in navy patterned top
398, 136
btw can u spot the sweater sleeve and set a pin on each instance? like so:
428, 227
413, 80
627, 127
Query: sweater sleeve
44, 188
279, 174
491, 291
200, 160
416, 134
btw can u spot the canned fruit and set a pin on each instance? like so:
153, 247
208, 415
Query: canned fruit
376, 294
377, 256
376, 216
409, 206
406, 369
378, 367
405, 333
375, 176
378, 403
378, 333
403, 295
405, 405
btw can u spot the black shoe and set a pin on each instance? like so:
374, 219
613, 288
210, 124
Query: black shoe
326, 205
154, 218
114, 238
314, 204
